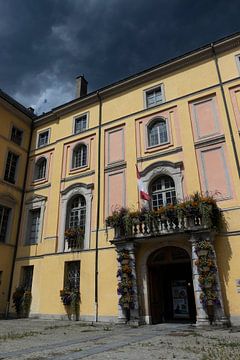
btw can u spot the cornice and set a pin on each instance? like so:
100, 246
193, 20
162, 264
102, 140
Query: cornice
169, 66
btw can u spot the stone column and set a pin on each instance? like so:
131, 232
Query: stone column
202, 315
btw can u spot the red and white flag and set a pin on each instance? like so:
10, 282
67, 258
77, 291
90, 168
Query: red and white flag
143, 192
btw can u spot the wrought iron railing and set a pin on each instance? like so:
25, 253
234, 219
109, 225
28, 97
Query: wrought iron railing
73, 244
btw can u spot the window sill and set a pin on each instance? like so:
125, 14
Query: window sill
150, 149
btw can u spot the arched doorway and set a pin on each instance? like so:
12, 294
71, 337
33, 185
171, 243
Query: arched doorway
171, 287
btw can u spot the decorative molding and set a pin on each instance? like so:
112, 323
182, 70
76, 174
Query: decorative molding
38, 187
159, 154
116, 166
74, 187
212, 141
79, 176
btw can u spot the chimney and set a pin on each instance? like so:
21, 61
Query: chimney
81, 86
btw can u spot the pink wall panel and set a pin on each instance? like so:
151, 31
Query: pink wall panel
115, 191
115, 146
205, 118
235, 95
214, 172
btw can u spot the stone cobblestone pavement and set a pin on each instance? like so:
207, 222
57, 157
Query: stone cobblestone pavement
34, 339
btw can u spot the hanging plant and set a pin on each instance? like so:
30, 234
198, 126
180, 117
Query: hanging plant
22, 301
125, 284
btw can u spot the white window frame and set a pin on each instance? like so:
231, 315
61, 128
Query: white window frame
38, 202
38, 135
66, 196
156, 119
35, 169
72, 168
146, 91
74, 123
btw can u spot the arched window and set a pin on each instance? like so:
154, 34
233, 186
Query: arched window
79, 156
40, 169
163, 192
77, 213
157, 132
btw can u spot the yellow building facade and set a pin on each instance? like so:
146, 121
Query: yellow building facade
16, 123
179, 122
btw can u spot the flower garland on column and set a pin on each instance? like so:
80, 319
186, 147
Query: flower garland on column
125, 283
207, 270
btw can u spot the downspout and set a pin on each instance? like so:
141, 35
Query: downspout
19, 224
98, 205
226, 110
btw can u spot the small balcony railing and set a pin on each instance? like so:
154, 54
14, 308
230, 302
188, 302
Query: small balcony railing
73, 244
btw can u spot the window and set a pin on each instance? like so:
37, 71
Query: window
34, 226
79, 156
43, 138
77, 213
80, 124
16, 135
157, 133
26, 278
163, 192
237, 57
4, 219
72, 275
11, 165
40, 169
154, 96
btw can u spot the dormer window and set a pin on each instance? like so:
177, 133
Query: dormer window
158, 132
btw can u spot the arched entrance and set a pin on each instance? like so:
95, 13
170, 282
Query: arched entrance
171, 288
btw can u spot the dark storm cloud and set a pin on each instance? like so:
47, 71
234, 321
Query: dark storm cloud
45, 44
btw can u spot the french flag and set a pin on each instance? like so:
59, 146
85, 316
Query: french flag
143, 193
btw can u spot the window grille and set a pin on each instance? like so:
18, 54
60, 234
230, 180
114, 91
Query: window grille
77, 215
72, 275
26, 277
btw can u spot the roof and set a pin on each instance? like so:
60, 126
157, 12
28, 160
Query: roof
195, 55
16, 105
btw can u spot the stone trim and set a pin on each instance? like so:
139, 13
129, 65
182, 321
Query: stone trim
67, 194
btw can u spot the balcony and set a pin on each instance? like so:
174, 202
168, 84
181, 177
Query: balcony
197, 213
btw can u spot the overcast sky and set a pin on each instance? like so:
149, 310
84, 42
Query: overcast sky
45, 44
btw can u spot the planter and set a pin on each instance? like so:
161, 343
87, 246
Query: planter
202, 252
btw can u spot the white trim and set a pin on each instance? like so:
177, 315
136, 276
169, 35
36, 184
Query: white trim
41, 132
37, 202
151, 89
74, 121
237, 59
77, 189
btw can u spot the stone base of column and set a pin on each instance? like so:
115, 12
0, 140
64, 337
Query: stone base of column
202, 322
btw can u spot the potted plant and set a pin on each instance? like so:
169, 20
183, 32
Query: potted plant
22, 299
74, 237
71, 300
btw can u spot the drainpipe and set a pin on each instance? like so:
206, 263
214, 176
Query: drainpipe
98, 205
226, 109
18, 224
